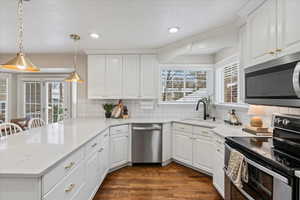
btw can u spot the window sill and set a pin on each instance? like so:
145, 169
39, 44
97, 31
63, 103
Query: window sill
233, 105
177, 103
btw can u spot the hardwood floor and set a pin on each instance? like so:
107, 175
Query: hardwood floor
152, 182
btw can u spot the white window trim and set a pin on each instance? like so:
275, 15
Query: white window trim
219, 81
41, 77
207, 67
8, 77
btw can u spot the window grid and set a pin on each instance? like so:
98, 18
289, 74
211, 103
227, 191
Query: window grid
55, 101
231, 87
3, 99
32, 99
183, 85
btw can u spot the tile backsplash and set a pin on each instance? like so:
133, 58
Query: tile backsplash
221, 113
93, 108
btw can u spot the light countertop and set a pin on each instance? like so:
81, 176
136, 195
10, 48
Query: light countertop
33, 152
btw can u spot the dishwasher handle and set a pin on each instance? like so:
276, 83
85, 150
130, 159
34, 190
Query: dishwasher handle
146, 128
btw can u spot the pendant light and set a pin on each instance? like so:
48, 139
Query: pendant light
20, 62
74, 76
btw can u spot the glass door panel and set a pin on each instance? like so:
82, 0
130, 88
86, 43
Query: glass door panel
32, 91
55, 101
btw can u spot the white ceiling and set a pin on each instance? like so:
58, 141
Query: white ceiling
122, 24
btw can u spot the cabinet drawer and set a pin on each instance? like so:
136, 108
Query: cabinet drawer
205, 132
69, 186
119, 129
93, 145
183, 127
61, 170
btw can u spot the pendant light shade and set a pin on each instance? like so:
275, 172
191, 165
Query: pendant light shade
74, 76
20, 62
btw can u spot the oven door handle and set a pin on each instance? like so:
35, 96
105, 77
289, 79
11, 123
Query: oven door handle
296, 80
264, 169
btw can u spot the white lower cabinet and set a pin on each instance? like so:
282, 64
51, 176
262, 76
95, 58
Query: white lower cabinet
202, 151
192, 145
92, 175
218, 164
183, 148
119, 149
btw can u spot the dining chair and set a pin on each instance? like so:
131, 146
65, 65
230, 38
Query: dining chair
35, 123
9, 129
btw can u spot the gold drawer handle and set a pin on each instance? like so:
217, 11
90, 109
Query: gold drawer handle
95, 144
70, 188
278, 50
70, 165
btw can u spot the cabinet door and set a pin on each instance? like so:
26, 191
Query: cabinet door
261, 27
167, 142
149, 76
119, 150
183, 148
106, 152
202, 154
113, 76
288, 26
96, 76
92, 175
218, 174
131, 76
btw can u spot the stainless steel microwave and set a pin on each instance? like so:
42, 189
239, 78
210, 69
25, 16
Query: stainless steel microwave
274, 83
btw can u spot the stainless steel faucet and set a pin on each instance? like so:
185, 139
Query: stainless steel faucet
204, 108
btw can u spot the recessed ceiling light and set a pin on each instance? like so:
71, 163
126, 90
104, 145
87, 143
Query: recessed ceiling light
173, 29
94, 35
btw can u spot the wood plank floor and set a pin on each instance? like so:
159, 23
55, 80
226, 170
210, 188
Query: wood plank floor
152, 182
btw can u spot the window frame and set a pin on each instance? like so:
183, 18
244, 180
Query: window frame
193, 67
219, 83
8, 78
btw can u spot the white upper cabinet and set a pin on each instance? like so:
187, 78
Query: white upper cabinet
96, 76
262, 34
113, 76
288, 26
273, 31
122, 77
149, 76
131, 76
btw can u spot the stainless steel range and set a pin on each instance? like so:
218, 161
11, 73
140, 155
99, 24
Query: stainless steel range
272, 163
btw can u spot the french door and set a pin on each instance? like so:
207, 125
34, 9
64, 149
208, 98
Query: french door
46, 99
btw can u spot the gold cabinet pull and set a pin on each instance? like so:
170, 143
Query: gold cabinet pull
70, 165
278, 50
70, 188
271, 52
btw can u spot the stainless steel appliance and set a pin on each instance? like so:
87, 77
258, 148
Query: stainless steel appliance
146, 143
274, 82
272, 163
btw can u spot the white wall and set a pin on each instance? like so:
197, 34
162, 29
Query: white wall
90, 108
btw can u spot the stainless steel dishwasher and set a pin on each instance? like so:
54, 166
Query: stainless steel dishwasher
146, 143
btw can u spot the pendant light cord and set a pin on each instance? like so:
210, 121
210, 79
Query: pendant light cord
20, 25
76, 53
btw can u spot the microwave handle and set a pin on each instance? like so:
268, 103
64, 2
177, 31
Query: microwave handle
296, 83
262, 168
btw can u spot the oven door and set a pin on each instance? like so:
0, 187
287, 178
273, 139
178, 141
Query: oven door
263, 184
273, 83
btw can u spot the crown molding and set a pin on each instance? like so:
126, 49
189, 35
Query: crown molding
247, 9
119, 51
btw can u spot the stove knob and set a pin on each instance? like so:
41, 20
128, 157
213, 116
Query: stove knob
278, 121
286, 122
